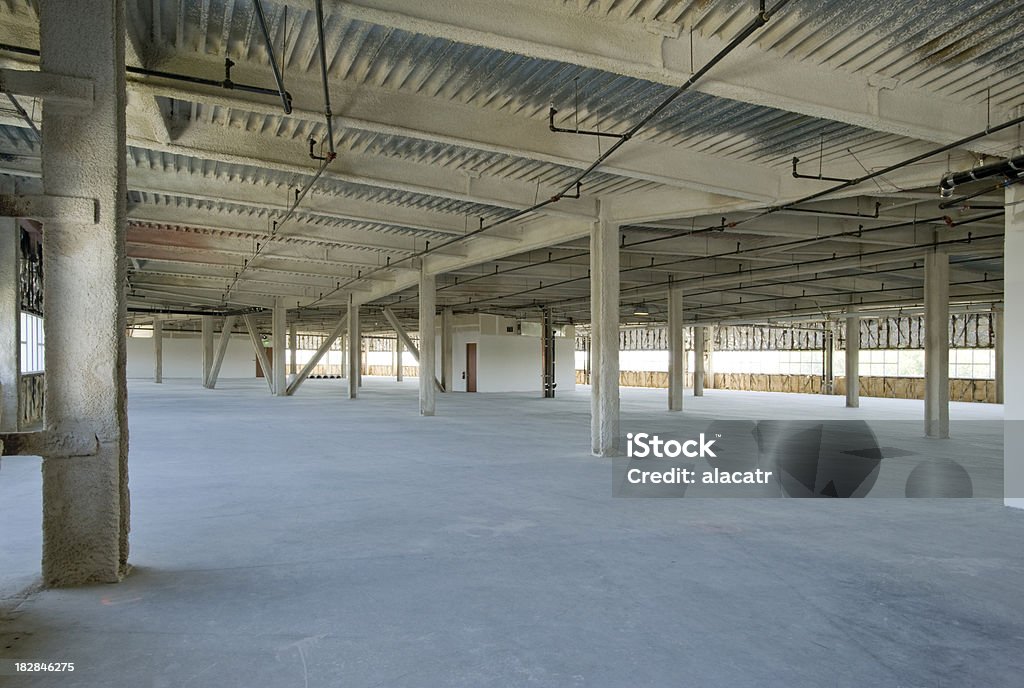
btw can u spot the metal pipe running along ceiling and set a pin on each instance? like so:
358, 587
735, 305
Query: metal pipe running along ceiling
1011, 168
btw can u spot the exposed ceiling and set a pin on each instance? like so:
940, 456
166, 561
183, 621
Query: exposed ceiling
441, 127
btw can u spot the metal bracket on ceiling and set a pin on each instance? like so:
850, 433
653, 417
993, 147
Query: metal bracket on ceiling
552, 111
819, 176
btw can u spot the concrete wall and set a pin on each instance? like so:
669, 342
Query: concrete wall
183, 358
512, 363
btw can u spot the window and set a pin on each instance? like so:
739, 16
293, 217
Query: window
972, 363
32, 343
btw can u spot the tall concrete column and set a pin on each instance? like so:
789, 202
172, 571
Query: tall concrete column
936, 349
398, 358
363, 357
355, 357
428, 347
698, 361
852, 361
1013, 331
604, 319
709, 355
85, 475
279, 344
206, 337
447, 349
293, 350
828, 378
547, 355
10, 323
997, 322
676, 353
158, 350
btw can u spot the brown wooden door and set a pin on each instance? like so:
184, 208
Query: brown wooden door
270, 358
471, 367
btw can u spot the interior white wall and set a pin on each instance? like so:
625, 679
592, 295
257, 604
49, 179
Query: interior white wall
508, 362
183, 358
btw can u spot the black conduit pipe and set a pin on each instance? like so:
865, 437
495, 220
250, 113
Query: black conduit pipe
286, 98
195, 312
328, 115
172, 76
1011, 168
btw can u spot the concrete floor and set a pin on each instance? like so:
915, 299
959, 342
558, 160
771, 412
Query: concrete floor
317, 541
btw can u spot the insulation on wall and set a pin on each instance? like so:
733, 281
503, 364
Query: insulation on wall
966, 331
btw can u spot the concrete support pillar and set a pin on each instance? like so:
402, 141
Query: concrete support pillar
10, 323
355, 347
85, 493
547, 356
936, 349
293, 350
279, 345
709, 357
398, 358
222, 349
852, 361
604, 319
206, 336
698, 361
318, 355
676, 353
363, 357
428, 347
587, 362
828, 371
1013, 331
997, 326
344, 356
447, 350
158, 350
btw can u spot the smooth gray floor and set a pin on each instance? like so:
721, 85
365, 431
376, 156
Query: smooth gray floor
318, 541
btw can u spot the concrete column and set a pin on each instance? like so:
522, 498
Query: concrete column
293, 350
206, 335
344, 356
587, 363
398, 358
852, 361
355, 349
10, 323
676, 352
447, 350
936, 348
222, 348
547, 355
604, 319
279, 344
709, 355
698, 361
1013, 331
363, 357
997, 322
85, 492
158, 350
828, 360
428, 299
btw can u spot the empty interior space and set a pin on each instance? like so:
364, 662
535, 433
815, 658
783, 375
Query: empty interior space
532, 343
